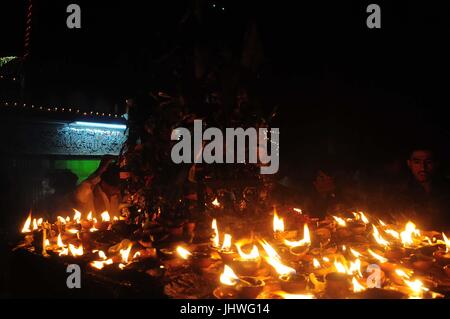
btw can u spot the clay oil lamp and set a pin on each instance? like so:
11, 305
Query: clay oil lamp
274, 260
247, 264
358, 225
181, 258
395, 253
87, 223
421, 262
201, 260
443, 256
232, 286
279, 232
249, 287
104, 223
226, 253
338, 285
228, 282
342, 231
300, 248
293, 283
323, 235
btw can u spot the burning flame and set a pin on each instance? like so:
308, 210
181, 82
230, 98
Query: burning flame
402, 273
125, 253
406, 235
254, 254
215, 239
306, 241
136, 255
73, 231
357, 287
393, 233
355, 267
35, 225
122, 266
77, 216
364, 218
93, 229
298, 210
355, 253
40, 221
26, 226
64, 252
340, 267
102, 255
416, 287
101, 264
278, 223
316, 263
286, 295
447, 243
89, 216
67, 219
115, 218
226, 245
379, 239
275, 261
62, 220
381, 259
105, 217
326, 259
183, 252
382, 223
340, 221
59, 242
228, 277
215, 202
46, 243
76, 251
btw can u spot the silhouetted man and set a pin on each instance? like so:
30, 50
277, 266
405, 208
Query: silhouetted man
426, 194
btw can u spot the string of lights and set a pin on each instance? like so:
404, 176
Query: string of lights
8, 77
53, 109
28, 23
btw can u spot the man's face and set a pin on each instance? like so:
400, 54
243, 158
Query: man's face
422, 165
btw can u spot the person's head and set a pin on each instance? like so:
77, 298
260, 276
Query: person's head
110, 180
422, 164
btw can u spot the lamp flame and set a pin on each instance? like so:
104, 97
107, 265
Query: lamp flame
105, 217
274, 260
184, 253
278, 223
226, 245
228, 277
378, 238
215, 239
26, 226
340, 221
254, 253
306, 241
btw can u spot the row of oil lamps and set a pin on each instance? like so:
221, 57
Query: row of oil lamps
247, 272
